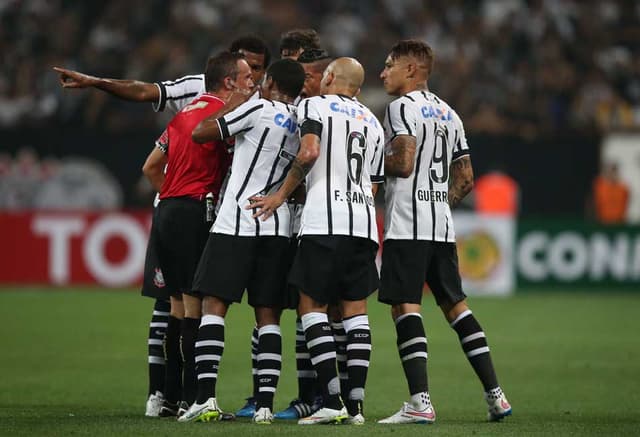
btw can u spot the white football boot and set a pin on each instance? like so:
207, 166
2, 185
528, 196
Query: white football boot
325, 415
154, 403
409, 414
263, 416
202, 412
498, 408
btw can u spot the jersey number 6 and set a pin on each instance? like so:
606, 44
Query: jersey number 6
355, 156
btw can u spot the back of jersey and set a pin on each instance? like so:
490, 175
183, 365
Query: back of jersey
417, 207
339, 198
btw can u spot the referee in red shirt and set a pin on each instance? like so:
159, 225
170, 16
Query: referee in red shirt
182, 226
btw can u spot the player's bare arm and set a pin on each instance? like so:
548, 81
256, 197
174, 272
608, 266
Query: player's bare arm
208, 129
133, 90
461, 180
302, 164
153, 168
374, 189
399, 158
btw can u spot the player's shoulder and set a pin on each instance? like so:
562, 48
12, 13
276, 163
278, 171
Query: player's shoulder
447, 113
429, 105
205, 103
314, 99
184, 79
269, 108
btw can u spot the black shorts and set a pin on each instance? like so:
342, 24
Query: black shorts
407, 264
230, 264
153, 284
180, 233
293, 292
337, 267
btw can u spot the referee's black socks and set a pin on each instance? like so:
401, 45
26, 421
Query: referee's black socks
189, 333
173, 370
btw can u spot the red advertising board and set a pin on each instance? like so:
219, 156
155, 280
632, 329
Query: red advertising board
61, 248
76, 248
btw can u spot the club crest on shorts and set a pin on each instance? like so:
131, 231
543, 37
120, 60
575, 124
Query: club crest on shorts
158, 279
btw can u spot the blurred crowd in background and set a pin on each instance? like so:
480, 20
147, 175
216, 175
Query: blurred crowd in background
519, 67
527, 69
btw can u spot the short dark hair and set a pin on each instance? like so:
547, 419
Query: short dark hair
224, 64
297, 39
253, 44
416, 49
288, 76
313, 55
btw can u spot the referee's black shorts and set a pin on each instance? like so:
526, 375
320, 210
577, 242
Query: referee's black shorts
330, 268
407, 264
179, 234
153, 284
230, 264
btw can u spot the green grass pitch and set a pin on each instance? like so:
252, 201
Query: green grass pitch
74, 363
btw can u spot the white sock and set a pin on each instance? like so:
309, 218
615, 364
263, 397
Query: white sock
421, 400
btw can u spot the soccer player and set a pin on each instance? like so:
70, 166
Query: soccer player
301, 45
296, 41
428, 172
314, 61
341, 155
169, 96
243, 252
192, 173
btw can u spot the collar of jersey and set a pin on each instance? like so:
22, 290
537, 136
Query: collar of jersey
212, 96
345, 96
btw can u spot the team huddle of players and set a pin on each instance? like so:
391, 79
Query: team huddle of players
266, 177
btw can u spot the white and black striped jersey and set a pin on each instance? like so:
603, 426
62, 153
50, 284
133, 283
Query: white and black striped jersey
417, 207
339, 198
266, 144
176, 94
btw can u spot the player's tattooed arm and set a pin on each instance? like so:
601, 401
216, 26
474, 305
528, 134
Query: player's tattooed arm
399, 157
299, 170
461, 180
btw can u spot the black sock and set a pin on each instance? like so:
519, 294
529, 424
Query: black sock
209, 350
304, 367
269, 364
155, 341
323, 356
173, 368
474, 344
340, 339
358, 350
412, 347
254, 361
187, 347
